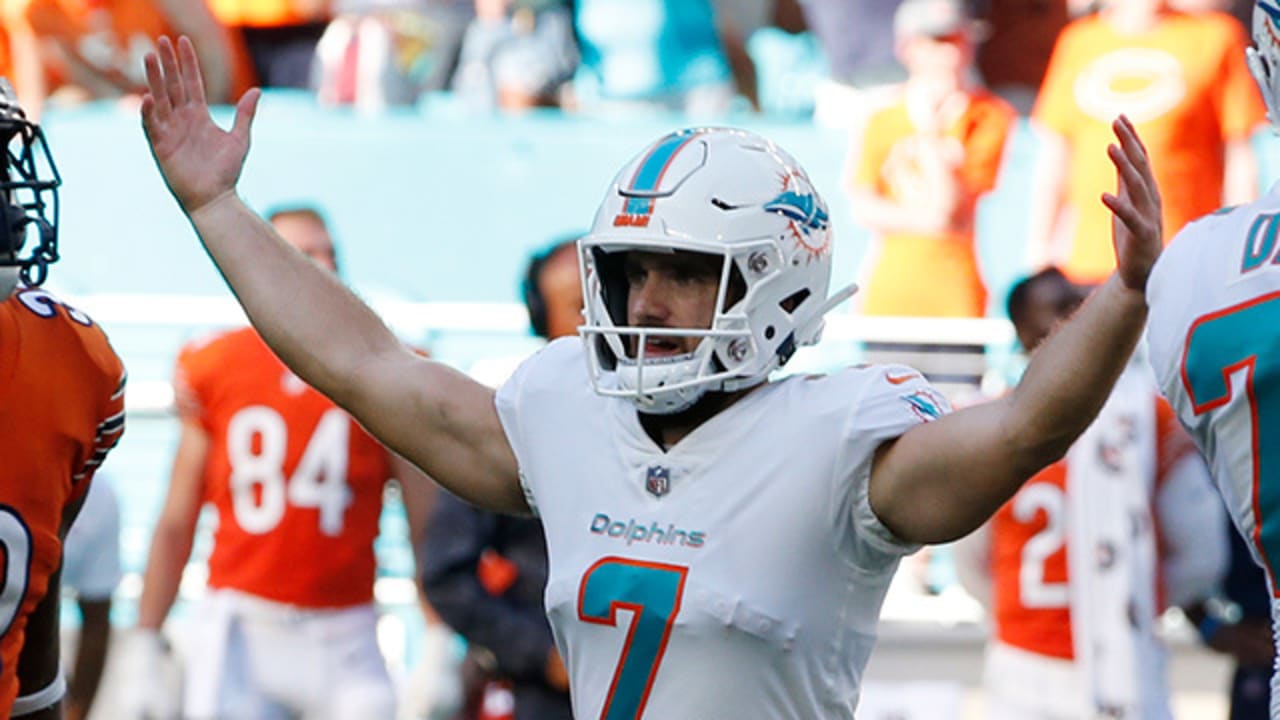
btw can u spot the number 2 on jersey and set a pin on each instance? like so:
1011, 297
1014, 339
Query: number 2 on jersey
1034, 590
651, 591
1219, 344
257, 442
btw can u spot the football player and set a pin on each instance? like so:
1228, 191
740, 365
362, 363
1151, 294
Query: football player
1076, 568
288, 627
61, 411
714, 537
1214, 340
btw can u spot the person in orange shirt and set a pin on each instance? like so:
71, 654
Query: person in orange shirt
1077, 566
288, 624
924, 163
61, 412
1182, 78
68, 51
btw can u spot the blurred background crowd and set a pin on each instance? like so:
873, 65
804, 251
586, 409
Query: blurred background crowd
961, 146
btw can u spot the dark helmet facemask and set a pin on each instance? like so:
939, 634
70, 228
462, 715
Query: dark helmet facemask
28, 198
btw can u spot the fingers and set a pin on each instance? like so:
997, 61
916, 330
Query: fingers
190, 66
1129, 215
245, 110
1131, 183
1141, 182
169, 69
159, 108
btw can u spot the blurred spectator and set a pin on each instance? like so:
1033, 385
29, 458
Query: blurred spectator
485, 573
1238, 623
71, 51
857, 39
923, 164
376, 54
1015, 54
1182, 79
652, 54
517, 54
737, 21
90, 573
281, 36
1076, 568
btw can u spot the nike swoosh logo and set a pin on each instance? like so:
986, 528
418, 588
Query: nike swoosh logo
898, 379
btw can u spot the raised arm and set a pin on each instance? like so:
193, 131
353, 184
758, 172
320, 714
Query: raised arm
434, 416
941, 480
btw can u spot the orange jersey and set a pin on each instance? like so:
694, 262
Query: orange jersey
61, 411
107, 39
930, 275
297, 484
1029, 569
1185, 85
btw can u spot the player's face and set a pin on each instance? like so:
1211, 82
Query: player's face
561, 292
671, 290
310, 236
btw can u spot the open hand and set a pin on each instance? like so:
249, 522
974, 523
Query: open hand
1136, 223
199, 160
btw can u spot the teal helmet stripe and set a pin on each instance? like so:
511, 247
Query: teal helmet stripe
652, 168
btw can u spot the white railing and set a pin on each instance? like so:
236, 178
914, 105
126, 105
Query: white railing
427, 320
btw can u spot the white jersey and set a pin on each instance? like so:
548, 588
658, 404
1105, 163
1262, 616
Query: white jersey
1214, 341
739, 574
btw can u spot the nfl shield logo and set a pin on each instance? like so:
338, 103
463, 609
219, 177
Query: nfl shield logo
658, 481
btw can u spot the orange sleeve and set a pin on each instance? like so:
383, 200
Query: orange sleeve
984, 142
1172, 441
108, 375
1055, 106
877, 139
110, 429
187, 376
1239, 106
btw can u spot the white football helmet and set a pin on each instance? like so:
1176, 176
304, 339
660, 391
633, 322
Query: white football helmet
1264, 57
722, 192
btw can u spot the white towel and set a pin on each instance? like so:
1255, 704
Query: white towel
1112, 555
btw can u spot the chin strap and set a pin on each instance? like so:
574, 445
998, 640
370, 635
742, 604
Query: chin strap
1260, 68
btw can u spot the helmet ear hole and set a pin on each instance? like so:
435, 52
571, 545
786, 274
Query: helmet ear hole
792, 302
737, 287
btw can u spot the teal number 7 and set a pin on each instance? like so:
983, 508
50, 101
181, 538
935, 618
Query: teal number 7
1244, 337
651, 591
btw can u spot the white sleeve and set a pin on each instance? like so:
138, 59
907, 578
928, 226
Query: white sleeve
1191, 516
507, 400
972, 555
894, 400
91, 552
